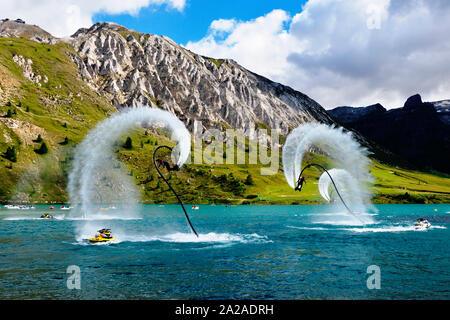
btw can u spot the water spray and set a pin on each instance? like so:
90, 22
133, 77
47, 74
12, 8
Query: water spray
158, 163
300, 182
351, 173
95, 178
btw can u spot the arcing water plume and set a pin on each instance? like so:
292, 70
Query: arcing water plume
350, 159
96, 178
347, 186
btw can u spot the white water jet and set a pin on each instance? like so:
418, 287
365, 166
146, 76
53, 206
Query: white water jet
96, 178
349, 159
347, 186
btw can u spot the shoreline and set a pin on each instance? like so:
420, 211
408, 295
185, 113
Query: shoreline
232, 203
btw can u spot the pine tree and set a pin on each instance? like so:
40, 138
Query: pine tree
65, 142
42, 150
11, 154
38, 139
128, 143
249, 181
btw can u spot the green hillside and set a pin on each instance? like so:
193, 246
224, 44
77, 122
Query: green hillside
60, 112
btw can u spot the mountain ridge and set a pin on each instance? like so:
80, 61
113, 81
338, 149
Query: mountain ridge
131, 68
419, 131
44, 98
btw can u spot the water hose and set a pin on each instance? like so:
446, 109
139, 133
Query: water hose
332, 181
167, 182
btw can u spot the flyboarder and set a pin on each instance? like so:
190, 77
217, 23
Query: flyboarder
166, 164
300, 182
158, 163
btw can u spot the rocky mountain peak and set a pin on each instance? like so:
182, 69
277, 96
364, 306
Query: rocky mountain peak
19, 29
130, 68
377, 108
443, 110
413, 101
99, 26
348, 115
415, 104
418, 132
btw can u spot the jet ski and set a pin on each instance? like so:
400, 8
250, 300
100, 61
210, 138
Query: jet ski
46, 216
421, 224
195, 207
103, 235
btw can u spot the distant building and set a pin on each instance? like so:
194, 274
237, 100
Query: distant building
19, 21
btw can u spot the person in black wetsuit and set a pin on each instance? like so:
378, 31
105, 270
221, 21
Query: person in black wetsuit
166, 165
300, 182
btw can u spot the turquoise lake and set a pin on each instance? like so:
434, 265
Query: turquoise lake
243, 252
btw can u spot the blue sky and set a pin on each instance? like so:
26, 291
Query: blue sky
192, 23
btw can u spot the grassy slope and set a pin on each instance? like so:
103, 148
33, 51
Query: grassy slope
391, 185
50, 107
43, 178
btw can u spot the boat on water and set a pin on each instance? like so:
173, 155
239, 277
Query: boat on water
195, 207
65, 208
19, 207
103, 235
46, 216
422, 224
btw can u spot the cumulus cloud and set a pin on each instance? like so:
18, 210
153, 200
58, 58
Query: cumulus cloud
63, 17
262, 45
222, 26
346, 52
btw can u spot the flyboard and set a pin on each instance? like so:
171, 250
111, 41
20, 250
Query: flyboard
158, 163
300, 183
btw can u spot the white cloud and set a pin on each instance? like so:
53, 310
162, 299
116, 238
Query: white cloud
64, 17
222, 25
260, 45
346, 52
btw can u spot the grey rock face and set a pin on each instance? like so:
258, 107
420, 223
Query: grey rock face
347, 115
443, 110
418, 132
27, 69
21, 30
132, 69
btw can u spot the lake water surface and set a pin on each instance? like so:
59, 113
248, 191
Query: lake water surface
243, 252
